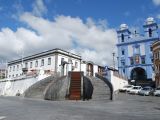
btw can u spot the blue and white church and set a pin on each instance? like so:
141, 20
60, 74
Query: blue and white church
135, 58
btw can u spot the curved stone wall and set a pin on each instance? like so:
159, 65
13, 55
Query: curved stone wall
57, 90
37, 89
87, 88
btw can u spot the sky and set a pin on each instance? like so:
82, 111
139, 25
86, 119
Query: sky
85, 27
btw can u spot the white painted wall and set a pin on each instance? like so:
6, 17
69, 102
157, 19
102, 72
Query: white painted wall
117, 82
68, 67
84, 68
10, 88
95, 69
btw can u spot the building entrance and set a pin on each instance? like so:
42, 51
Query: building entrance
138, 74
90, 69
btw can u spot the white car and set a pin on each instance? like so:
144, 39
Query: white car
135, 90
157, 92
126, 88
146, 91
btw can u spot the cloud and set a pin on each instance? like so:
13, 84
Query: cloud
156, 2
39, 8
94, 41
158, 16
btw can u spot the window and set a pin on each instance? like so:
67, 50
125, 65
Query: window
49, 61
152, 59
36, 64
26, 65
150, 32
131, 61
136, 50
143, 60
62, 60
9, 76
137, 59
122, 37
42, 62
17, 67
123, 63
76, 64
123, 52
156, 55
123, 70
10, 69
30, 64
13, 68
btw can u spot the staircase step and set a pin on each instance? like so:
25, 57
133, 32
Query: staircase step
101, 90
75, 86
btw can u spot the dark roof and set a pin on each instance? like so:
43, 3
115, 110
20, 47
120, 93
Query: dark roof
56, 50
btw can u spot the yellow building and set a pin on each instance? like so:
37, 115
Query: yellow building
156, 54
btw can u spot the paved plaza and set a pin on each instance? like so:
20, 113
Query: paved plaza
124, 107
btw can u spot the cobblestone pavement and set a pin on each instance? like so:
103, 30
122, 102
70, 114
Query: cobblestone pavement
124, 107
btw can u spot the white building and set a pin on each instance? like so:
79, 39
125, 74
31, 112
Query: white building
89, 68
2, 73
51, 62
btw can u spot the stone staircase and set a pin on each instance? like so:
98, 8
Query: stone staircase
101, 91
37, 89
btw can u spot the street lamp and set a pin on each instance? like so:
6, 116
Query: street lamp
113, 60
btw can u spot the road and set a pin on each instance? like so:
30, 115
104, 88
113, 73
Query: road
124, 107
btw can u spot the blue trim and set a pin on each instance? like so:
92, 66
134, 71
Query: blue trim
135, 65
137, 41
150, 25
122, 31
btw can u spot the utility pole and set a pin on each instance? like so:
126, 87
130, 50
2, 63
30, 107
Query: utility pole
6, 69
113, 60
118, 63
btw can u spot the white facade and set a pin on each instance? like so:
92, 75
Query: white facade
53, 61
116, 79
90, 69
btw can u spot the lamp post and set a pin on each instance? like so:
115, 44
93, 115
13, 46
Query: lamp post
113, 60
118, 63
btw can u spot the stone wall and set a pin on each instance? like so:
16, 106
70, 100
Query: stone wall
12, 87
57, 89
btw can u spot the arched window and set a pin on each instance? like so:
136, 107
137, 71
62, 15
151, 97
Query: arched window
150, 32
122, 37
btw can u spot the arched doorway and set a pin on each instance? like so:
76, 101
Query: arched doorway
138, 74
90, 69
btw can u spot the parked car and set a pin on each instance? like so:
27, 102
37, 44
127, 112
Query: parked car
157, 92
146, 91
126, 88
135, 90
